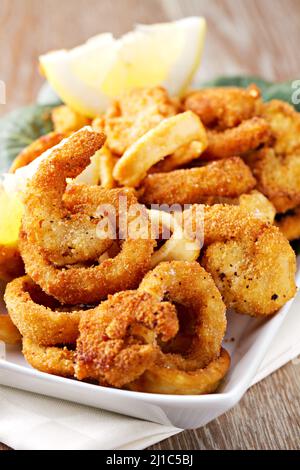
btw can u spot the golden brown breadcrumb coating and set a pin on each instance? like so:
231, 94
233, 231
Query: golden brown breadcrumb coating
225, 178
167, 380
39, 317
49, 359
250, 260
223, 107
118, 342
60, 233
188, 285
135, 113
277, 166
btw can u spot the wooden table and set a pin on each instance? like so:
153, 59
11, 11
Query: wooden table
244, 36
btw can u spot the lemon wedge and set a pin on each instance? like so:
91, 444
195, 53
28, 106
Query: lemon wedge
88, 76
11, 210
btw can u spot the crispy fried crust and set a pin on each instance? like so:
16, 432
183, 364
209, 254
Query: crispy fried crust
250, 261
284, 122
38, 317
223, 107
278, 177
239, 140
87, 285
135, 113
187, 284
167, 380
277, 166
118, 342
226, 178
49, 359
231, 117
164, 139
60, 233
52, 225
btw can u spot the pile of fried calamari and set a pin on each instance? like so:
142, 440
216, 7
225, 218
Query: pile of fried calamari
141, 310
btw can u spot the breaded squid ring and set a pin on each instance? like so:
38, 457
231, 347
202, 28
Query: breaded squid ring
203, 324
231, 116
39, 317
49, 359
161, 141
247, 136
250, 260
61, 233
277, 166
76, 285
225, 178
223, 107
278, 177
167, 379
118, 342
133, 114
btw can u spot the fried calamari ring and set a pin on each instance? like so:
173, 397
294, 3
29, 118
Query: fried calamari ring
250, 261
39, 317
223, 107
118, 342
278, 177
51, 360
133, 114
166, 378
226, 178
8, 332
203, 322
61, 233
277, 167
81, 284
247, 136
231, 117
11, 263
289, 224
161, 141
35, 149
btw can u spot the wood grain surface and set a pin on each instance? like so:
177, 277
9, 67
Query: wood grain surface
244, 36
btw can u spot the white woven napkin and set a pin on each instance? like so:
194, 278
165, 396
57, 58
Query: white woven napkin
30, 421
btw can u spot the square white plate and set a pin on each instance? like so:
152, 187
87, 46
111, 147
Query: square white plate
247, 340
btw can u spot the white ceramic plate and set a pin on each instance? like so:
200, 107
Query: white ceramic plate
247, 340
